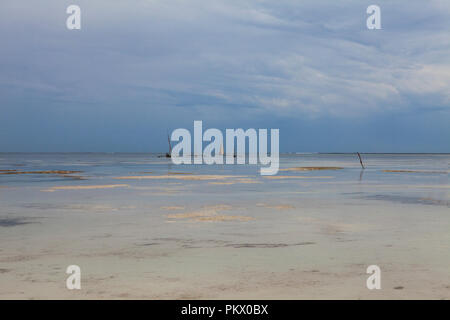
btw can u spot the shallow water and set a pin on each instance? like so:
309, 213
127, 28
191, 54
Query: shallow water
142, 227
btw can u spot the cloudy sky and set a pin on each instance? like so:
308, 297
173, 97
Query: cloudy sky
140, 68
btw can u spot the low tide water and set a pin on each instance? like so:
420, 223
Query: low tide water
141, 227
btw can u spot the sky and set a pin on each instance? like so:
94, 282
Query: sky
139, 69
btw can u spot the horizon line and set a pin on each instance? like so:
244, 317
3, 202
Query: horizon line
163, 152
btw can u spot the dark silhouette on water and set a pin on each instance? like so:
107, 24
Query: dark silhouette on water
360, 160
169, 155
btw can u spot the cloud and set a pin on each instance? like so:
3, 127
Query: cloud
211, 59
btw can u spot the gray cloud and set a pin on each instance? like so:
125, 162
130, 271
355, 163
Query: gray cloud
211, 59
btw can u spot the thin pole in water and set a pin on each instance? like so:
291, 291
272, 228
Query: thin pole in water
360, 160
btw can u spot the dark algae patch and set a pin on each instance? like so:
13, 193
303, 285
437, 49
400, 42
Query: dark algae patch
13, 222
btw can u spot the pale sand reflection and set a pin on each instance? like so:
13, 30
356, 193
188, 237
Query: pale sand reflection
210, 214
180, 177
93, 187
311, 168
173, 208
297, 177
243, 181
276, 206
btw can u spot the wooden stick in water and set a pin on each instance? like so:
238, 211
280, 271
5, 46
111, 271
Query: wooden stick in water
360, 160
169, 154
170, 145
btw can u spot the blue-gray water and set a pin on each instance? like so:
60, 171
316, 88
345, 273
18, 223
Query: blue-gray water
142, 227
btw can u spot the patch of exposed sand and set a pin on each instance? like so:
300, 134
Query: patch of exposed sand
181, 177
98, 208
209, 214
311, 168
296, 177
278, 207
160, 193
218, 207
159, 190
224, 218
188, 215
155, 188
180, 173
107, 186
222, 183
173, 208
248, 181
244, 181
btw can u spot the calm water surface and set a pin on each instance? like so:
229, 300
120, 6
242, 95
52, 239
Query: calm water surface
175, 225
